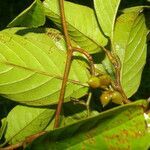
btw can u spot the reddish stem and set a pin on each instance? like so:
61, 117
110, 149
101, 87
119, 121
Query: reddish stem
67, 65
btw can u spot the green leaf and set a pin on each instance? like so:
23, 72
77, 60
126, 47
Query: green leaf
108, 67
24, 121
33, 16
82, 24
112, 129
141, 143
130, 45
3, 127
106, 12
32, 67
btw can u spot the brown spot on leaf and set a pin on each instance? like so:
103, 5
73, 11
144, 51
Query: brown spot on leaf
56, 36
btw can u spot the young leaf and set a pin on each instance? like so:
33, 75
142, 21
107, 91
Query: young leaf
24, 121
32, 67
106, 12
130, 45
82, 24
112, 129
33, 16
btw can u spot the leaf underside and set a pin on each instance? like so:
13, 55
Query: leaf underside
83, 27
32, 66
130, 45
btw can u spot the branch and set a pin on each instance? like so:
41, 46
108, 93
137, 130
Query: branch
114, 59
70, 51
12, 147
67, 65
88, 56
23, 143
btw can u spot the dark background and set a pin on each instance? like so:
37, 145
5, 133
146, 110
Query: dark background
11, 8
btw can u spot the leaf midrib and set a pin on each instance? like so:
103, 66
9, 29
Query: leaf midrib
127, 44
43, 73
36, 100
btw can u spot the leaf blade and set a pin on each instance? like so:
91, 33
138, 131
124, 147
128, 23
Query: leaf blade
33, 16
130, 46
36, 68
106, 12
105, 131
29, 121
87, 34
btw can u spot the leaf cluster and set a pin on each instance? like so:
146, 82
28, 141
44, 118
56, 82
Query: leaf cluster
32, 61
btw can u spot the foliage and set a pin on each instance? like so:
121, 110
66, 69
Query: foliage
33, 53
